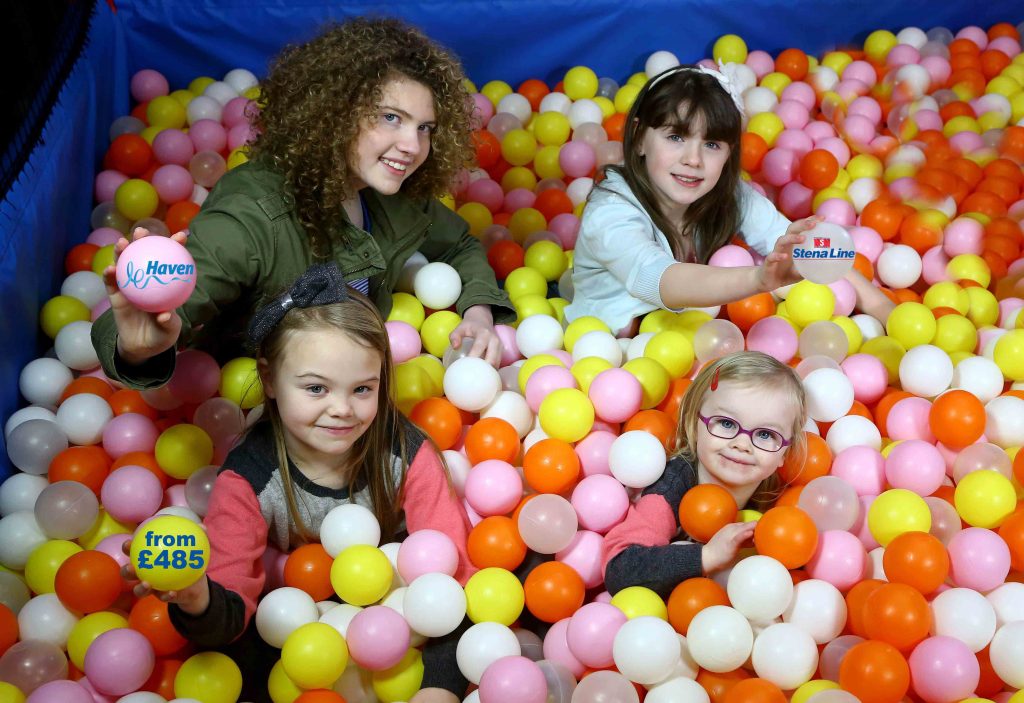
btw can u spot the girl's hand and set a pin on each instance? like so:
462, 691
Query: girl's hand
194, 599
778, 269
478, 324
722, 549
141, 335
434, 695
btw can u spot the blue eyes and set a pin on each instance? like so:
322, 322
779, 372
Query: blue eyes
393, 119
679, 139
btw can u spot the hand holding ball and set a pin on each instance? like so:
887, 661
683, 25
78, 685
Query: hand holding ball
170, 553
826, 254
156, 274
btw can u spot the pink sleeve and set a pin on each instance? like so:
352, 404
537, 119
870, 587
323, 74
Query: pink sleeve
430, 503
238, 538
649, 523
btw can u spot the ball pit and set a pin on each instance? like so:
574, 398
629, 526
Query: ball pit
896, 549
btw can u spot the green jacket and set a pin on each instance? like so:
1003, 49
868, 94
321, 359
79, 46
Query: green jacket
249, 246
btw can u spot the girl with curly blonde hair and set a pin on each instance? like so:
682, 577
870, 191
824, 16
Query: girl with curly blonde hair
359, 131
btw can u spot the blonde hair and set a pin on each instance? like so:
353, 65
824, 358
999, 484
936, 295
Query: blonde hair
745, 369
370, 459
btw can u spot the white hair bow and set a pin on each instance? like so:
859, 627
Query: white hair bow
725, 74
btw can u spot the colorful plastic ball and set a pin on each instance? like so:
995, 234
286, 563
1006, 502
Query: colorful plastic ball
547, 523
553, 591
897, 511
911, 324
156, 274
580, 83
361, 574
182, 449
566, 414
170, 552
1009, 354
471, 384
616, 395
637, 459
60, 311
494, 596
212, 677
985, 499
315, 655
979, 559
240, 383
720, 639
514, 678
66, 510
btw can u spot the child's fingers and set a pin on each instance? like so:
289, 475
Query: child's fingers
806, 224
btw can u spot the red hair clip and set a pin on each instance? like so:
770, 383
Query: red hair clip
714, 379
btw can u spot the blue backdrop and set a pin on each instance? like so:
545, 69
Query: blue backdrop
47, 210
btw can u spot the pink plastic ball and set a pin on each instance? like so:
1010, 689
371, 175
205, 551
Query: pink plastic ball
928, 119
938, 69
129, 432
862, 467
615, 393
849, 89
427, 552
600, 502
103, 236
975, 34
867, 242
860, 71
131, 494
175, 496
868, 376
775, 337
514, 679
591, 634
518, 198
901, 55
562, 355
493, 487
866, 107
556, 648
577, 159
106, 184
837, 211
963, 236
60, 691
819, 129
933, 265
860, 528
585, 554
509, 349
908, 419
966, 142
730, 256
796, 140
240, 135
196, 376
904, 188
545, 380
592, 451
119, 661
483, 110
235, 112
486, 192
795, 200
839, 559
837, 147
944, 669
404, 340
148, 84
567, 226
208, 135
846, 296
112, 545
761, 62
1007, 307
859, 131
916, 466
978, 559
794, 115
173, 183
1007, 45
801, 92
156, 274
172, 146
779, 166
377, 637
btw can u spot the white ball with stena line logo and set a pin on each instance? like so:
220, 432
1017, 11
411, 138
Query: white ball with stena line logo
826, 254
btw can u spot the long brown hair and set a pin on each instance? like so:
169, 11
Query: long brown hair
370, 458
748, 369
321, 93
687, 101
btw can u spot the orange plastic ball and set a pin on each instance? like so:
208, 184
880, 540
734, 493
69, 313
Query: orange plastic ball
674, 399
308, 568
719, 685
130, 154
917, 559
897, 614
553, 202
505, 257
553, 591
487, 148
1012, 532
957, 418
495, 541
88, 465
705, 509
533, 90
744, 313
755, 690
875, 672
179, 215
319, 695
8, 628
655, 422
793, 63
79, 258
787, 534
856, 597
149, 616
128, 400
551, 466
146, 461
818, 169
690, 597
492, 438
439, 419
816, 463
87, 384
753, 148
88, 581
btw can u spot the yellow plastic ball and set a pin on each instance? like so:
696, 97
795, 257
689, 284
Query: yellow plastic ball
9, 693
690, 321
897, 511
766, 125
525, 281
400, 682
209, 677
558, 306
606, 105
854, 336
432, 366
165, 112
658, 321
532, 364
654, 380
61, 310
494, 595
879, 43
518, 177
406, 307
136, 198
672, 350
103, 258
545, 163
637, 601
43, 562
530, 305
955, 333
947, 294
729, 48
412, 385
149, 133
518, 147
911, 324
580, 82
524, 222
182, 449
581, 326
1009, 354
240, 382
960, 123
803, 693
749, 515
985, 499
281, 688
170, 552
436, 330
864, 166
776, 82
551, 128
566, 414
200, 84
809, 302
830, 193
992, 120
104, 526
984, 307
88, 629
625, 97
837, 61
448, 200
237, 157
887, 350
586, 370
477, 216
314, 655
1003, 85
969, 267
361, 574
547, 258
496, 90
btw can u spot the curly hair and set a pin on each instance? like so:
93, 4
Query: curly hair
319, 94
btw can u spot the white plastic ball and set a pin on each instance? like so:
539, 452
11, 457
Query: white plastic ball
579, 189
979, 376
221, 92
914, 36
437, 285
760, 99
34, 444
853, 431
347, 525
660, 61
823, 79
434, 605
760, 588
1007, 654
22, 534
240, 79
898, 266
645, 650
818, 608
340, 617
913, 80
537, 334
515, 104
1008, 602
43, 380
785, 655
85, 286
829, 394
720, 638
964, 613
19, 492
678, 690
1004, 421
73, 346
555, 102
83, 417
282, 611
637, 345
637, 459
142, 697
30, 412
513, 409
600, 344
471, 384
458, 469
863, 191
482, 645
45, 618
583, 111
869, 327
203, 107
926, 371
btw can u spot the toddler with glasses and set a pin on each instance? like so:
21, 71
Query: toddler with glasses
740, 419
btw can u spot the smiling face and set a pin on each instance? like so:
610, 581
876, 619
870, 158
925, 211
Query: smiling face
395, 139
326, 390
736, 464
682, 168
